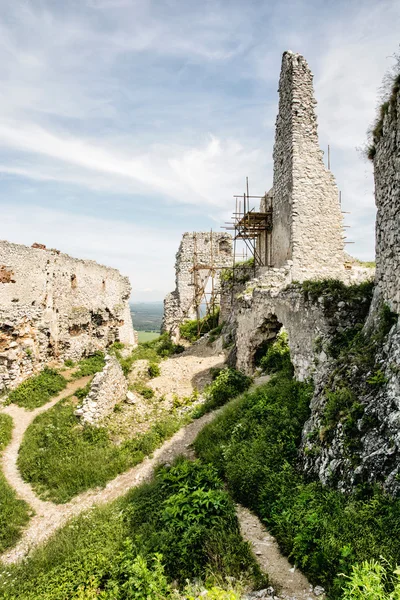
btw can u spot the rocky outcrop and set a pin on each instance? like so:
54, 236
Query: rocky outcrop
54, 307
353, 436
108, 388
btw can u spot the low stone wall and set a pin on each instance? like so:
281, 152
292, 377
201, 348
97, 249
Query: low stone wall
108, 388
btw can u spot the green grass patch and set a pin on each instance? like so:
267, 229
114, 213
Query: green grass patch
254, 444
38, 390
180, 526
62, 458
14, 513
90, 365
147, 336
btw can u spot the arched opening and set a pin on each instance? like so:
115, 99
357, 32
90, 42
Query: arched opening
270, 347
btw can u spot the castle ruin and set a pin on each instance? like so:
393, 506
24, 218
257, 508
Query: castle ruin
54, 307
200, 258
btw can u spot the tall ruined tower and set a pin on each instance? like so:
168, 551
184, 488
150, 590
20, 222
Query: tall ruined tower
307, 219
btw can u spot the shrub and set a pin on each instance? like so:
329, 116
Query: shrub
135, 546
69, 363
253, 444
154, 370
193, 330
38, 390
90, 365
227, 384
277, 357
13, 511
371, 581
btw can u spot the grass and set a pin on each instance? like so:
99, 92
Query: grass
182, 525
377, 131
90, 365
61, 458
153, 351
38, 390
254, 443
14, 513
147, 336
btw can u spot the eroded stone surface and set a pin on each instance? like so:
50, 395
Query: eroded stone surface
108, 387
54, 307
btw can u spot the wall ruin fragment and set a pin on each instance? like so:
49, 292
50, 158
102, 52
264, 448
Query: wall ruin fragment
54, 307
201, 249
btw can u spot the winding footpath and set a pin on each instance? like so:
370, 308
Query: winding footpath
48, 516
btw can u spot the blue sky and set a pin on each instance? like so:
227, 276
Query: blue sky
124, 123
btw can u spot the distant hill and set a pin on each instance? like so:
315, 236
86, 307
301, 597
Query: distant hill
147, 316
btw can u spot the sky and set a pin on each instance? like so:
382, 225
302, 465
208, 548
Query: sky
124, 123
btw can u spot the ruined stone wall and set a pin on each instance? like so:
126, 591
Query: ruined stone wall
54, 307
387, 198
307, 219
108, 387
203, 248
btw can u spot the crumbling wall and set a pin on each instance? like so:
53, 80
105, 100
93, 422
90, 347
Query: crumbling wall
387, 198
54, 307
370, 452
204, 249
108, 387
307, 219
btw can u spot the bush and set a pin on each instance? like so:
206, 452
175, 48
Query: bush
38, 390
69, 363
371, 581
154, 370
90, 365
253, 444
13, 511
227, 384
277, 357
135, 546
193, 330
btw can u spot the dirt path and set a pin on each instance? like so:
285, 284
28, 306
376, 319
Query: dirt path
50, 516
288, 583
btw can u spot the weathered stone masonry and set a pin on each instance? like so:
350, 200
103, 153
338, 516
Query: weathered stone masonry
54, 307
201, 248
107, 389
307, 233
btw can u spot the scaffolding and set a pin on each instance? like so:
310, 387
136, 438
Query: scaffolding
249, 225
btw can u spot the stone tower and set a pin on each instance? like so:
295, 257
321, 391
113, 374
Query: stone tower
307, 218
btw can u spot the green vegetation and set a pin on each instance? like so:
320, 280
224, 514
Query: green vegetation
228, 383
377, 130
90, 365
181, 526
38, 390
14, 513
189, 330
334, 291
242, 273
153, 351
147, 336
277, 356
69, 363
371, 580
154, 370
254, 444
61, 458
